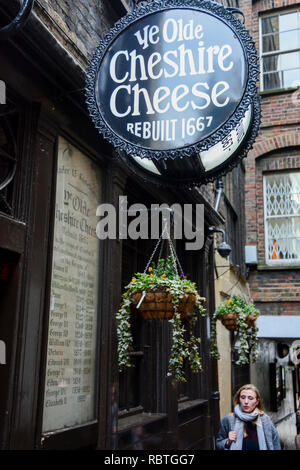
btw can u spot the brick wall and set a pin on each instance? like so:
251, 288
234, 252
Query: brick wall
207, 190
276, 148
77, 24
276, 285
278, 308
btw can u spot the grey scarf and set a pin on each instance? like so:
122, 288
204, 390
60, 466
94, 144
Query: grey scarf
240, 418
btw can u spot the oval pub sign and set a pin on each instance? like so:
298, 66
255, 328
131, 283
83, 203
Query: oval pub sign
172, 80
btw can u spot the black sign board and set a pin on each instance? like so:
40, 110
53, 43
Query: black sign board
173, 79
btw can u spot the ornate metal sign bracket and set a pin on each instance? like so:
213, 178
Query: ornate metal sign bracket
18, 22
167, 129
238, 11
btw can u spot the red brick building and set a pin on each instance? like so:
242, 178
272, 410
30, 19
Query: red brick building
273, 205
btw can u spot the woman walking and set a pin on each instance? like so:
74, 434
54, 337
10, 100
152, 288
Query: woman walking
248, 428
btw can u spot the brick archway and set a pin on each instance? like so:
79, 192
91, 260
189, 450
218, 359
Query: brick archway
277, 142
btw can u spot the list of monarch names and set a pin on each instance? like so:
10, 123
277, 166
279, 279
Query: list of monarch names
70, 368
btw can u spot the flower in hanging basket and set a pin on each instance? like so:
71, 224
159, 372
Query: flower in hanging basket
238, 315
162, 294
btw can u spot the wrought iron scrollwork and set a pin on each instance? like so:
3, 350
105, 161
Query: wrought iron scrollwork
238, 11
18, 22
140, 3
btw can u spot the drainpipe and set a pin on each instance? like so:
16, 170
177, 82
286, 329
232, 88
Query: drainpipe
219, 192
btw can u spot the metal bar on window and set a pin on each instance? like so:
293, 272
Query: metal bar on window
279, 52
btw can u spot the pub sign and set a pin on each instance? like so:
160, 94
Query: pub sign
173, 87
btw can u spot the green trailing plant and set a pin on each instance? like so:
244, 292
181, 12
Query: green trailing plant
185, 345
247, 334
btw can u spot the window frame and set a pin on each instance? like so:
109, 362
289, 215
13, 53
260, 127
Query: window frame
263, 55
276, 262
232, 210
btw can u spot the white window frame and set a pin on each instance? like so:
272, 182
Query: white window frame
276, 262
278, 52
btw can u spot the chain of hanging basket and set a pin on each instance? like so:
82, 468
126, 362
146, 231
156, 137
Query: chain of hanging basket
164, 296
153, 253
157, 303
171, 248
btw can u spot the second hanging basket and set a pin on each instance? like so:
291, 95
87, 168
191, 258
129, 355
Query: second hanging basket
230, 321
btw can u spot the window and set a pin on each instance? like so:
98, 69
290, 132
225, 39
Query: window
282, 217
280, 50
130, 392
231, 231
233, 212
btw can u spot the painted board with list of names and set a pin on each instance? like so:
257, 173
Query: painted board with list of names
69, 397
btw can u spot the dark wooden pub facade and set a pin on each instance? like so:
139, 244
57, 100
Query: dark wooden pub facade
60, 385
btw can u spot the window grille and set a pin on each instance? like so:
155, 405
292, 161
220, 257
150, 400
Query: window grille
282, 218
280, 50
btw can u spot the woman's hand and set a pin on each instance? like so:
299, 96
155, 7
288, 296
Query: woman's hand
232, 436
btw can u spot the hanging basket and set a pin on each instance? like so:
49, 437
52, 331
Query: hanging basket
158, 305
230, 321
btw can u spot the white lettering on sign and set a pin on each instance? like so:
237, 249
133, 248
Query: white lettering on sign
184, 63
112, 67
164, 130
177, 99
148, 36
175, 31
178, 62
168, 72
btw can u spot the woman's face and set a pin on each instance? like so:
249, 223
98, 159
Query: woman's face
248, 400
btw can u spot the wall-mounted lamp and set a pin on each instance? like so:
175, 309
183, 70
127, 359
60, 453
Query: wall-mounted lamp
223, 249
